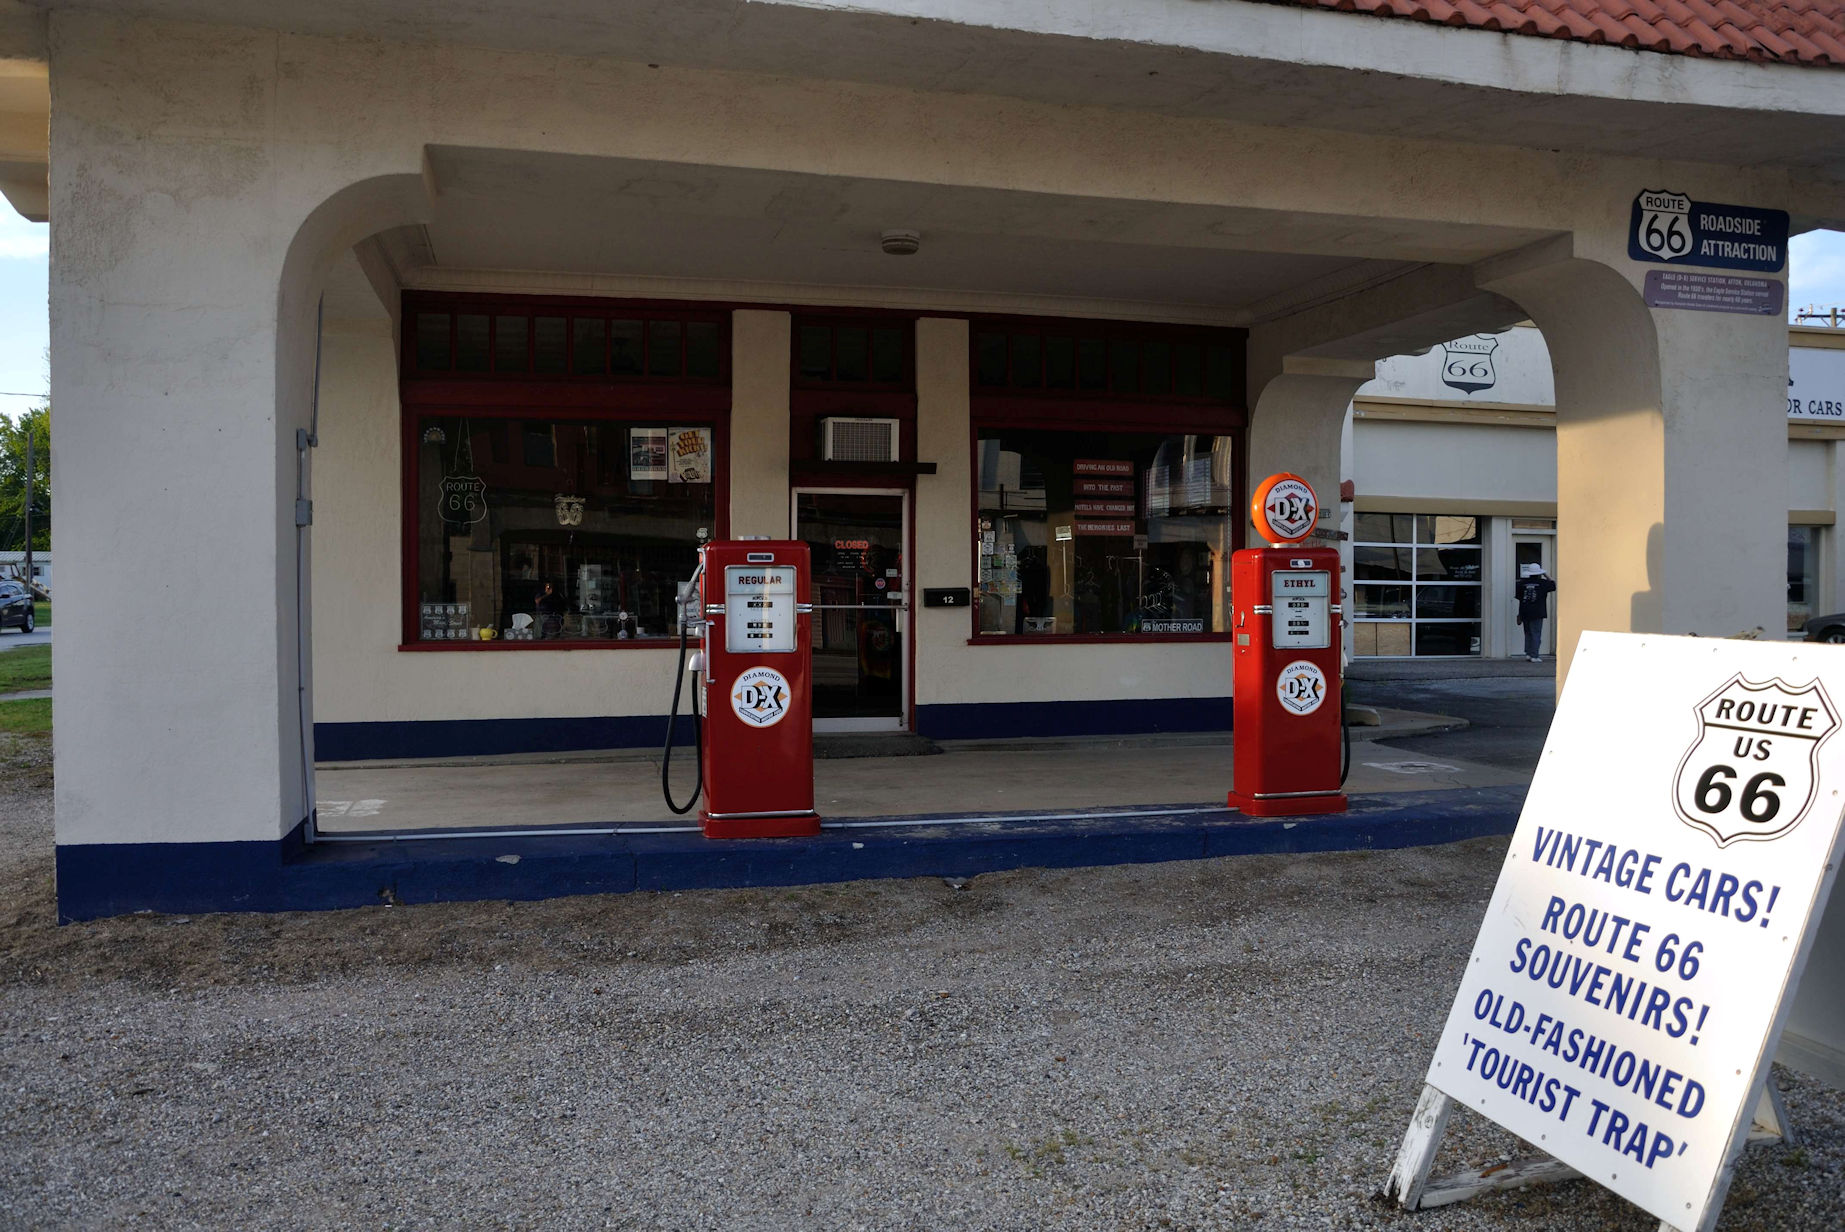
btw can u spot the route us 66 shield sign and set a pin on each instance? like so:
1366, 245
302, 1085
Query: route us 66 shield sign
1662, 227
1751, 772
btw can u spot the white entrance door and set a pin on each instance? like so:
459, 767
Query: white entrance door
1539, 550
861, 586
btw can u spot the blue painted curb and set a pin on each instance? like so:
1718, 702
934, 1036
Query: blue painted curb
97, 880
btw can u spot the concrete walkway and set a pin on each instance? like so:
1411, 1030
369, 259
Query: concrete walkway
1064, 775
25, 695
1449, 669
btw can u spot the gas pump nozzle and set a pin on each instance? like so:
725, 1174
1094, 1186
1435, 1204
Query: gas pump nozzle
690, 596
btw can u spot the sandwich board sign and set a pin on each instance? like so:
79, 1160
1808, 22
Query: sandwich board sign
1641, 950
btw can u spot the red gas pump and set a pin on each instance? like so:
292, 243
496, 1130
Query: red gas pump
1289, 688
756, 745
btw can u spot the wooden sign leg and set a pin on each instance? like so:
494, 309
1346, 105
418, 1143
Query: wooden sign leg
1770, 1121
1409, 1185
1417, 1154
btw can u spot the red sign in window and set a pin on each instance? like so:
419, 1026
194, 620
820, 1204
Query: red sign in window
1105, 487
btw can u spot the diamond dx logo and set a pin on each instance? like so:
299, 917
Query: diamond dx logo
1752, 772
760, 697
1291, 508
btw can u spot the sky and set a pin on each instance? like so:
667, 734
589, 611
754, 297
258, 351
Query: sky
1816, 276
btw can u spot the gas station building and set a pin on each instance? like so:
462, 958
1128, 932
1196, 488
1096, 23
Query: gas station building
433, 343
1454, 449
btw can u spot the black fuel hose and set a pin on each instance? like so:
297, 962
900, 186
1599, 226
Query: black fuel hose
1345, 734
672, 723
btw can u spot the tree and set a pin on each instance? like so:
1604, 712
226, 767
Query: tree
13, 433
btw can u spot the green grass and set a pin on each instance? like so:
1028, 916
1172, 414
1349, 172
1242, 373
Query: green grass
43, 615
27, 718
29, 667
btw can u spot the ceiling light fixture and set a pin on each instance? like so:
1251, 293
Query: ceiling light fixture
900, 243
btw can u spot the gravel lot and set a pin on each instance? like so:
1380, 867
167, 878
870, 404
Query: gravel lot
1222, 1044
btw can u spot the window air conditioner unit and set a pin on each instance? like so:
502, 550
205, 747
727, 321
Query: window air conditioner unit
847, 439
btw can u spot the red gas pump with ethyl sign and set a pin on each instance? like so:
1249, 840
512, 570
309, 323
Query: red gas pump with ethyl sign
756, 744
1289, 688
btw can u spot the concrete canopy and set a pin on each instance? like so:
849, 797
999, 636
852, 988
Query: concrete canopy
504, 219
1256, 63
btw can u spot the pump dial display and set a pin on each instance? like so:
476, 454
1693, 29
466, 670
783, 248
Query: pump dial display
1302, 602
759, 609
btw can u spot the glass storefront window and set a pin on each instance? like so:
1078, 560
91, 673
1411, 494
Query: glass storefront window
1416, 584
1098, 533
556, 530
1802, 576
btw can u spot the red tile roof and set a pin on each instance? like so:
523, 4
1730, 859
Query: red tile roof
1808, 32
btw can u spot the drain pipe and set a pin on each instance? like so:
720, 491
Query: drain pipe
306, 439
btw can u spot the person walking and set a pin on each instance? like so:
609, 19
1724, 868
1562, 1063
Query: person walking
1534, 591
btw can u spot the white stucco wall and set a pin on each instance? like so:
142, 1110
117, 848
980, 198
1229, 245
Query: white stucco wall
1516, 363
1480, 464
1809, 475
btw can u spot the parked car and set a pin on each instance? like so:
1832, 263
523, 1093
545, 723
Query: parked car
16, 607
1826, 628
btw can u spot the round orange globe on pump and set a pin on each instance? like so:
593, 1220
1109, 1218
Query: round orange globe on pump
1284, 509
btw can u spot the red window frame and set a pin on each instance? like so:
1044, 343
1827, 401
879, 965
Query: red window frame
658, 400
1001, 408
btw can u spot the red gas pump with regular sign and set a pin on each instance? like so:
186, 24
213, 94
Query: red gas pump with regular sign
1289, 689
757, 742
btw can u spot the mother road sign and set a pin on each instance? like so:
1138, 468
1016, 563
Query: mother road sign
1642, 948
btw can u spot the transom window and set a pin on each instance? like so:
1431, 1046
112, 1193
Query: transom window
1416, 584
1072, 358
852, 353
616, 342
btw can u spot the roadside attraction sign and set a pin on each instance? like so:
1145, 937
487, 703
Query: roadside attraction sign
1631, 979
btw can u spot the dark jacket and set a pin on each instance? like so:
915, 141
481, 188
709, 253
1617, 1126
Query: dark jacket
1532, 595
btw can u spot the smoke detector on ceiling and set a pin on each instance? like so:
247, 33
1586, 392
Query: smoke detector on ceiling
900, 243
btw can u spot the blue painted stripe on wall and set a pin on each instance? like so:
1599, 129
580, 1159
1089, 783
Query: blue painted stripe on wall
972, 721
113, 879
1118, 717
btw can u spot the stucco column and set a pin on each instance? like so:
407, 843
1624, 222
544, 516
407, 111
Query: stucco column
1671, 456
1298, 410
1831, 580
760, 367
944, 537
184, 295
1501, 634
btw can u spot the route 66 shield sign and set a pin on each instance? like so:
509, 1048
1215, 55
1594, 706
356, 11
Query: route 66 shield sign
1662, 224
1751, 773
463, 499
1467, 363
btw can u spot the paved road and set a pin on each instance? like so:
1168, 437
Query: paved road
13, 639
1508, 716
